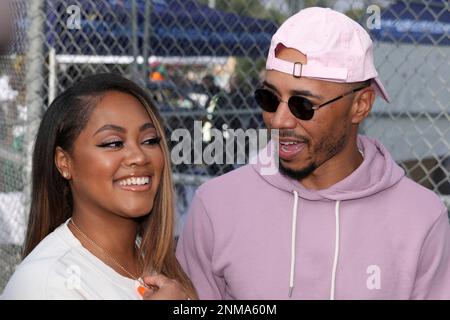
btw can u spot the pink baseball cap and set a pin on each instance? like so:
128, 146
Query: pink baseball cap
337, 48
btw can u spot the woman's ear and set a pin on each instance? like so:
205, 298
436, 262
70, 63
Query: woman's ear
362, 105
63, 163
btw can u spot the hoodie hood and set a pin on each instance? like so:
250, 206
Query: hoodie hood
248, 229
377, 172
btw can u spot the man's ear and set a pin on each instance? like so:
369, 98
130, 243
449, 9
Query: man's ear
362, 105
63, 163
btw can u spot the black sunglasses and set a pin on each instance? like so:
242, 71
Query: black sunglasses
301, 107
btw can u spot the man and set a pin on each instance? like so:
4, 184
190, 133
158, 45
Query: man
339, 220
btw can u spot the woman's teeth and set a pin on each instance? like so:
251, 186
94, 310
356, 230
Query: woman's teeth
138, 181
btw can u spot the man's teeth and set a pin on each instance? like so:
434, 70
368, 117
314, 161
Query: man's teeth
135, 181
286, 143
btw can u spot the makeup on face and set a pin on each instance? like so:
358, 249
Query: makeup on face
118, 160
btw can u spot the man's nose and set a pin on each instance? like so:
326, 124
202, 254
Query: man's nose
283, 117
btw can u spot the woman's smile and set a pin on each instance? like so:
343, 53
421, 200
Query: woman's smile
135, 183
117, 161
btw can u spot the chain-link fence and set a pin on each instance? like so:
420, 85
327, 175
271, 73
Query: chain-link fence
201, 60
12, 127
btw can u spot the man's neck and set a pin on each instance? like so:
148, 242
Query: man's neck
335, 169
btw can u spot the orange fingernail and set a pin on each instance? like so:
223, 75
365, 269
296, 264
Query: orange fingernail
141, 290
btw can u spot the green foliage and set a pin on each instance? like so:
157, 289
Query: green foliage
247, 71
251, 8
355, 14
317, 3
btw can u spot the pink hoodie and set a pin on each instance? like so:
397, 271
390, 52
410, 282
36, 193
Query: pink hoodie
374, 235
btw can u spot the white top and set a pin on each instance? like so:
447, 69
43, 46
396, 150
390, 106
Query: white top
61, 268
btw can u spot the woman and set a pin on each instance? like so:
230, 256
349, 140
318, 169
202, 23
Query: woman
101, 219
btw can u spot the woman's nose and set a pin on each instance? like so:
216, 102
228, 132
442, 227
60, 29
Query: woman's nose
135, 156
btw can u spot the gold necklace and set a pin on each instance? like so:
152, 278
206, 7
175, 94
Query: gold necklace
104, 251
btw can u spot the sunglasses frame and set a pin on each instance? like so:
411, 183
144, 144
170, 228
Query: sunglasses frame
314, 107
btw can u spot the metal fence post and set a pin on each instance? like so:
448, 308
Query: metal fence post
34, 88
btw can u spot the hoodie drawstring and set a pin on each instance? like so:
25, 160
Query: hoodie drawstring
293, 241
336, 251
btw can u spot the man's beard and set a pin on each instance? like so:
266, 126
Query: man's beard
329, 147
297, 174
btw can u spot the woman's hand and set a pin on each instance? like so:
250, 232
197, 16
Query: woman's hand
163, 288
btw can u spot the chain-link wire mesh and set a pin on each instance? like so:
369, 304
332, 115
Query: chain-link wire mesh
12, 128
204, 60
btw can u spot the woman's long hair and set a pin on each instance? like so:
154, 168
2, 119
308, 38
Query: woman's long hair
51, 202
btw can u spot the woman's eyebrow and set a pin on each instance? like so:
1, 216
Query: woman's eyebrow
114, 127
109, 127
146, 126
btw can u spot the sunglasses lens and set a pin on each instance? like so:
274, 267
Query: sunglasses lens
266, 100
301, 107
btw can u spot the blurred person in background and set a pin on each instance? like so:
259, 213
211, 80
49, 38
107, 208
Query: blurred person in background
209, 84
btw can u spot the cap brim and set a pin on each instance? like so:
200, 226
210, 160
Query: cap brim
380, 90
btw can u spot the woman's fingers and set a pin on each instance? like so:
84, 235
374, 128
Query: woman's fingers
165, 289
146, 293
157, 280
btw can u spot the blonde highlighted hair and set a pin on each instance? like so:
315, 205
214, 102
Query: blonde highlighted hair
50, 206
